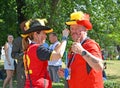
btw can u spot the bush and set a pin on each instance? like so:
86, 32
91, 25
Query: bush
111, 84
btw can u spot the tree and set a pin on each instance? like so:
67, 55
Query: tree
8, 19
104, 16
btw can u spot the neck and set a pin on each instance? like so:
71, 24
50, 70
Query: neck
10, 42
83, 39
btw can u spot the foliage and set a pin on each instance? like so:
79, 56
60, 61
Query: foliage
104, 17
8, 23
111, 84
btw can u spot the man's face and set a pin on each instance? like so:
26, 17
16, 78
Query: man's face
77, 32
52, 38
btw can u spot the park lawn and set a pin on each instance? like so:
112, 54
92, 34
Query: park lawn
112, 71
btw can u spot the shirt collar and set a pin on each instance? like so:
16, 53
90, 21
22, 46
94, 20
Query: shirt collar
83, 40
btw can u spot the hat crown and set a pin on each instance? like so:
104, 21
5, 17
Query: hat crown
34, 23
38, 22
79, 16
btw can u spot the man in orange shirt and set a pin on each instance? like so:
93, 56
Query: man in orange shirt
85, 58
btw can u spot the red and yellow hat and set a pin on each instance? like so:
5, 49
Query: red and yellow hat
80, 18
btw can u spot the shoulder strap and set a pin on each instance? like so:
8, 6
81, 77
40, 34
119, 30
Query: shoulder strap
72, 58
31, 86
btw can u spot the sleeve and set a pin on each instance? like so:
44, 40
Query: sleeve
94, 48
17, 48
43, 53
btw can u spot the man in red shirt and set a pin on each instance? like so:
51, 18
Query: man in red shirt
85, 58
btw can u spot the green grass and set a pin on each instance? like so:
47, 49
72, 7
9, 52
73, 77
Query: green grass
112, 71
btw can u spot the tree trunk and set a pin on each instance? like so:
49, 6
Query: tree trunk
21, 15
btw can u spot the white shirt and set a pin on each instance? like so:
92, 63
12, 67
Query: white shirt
55, 62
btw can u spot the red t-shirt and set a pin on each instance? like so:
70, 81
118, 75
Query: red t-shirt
37, 68
82, 75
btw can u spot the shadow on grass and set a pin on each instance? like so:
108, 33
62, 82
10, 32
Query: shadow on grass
113, 77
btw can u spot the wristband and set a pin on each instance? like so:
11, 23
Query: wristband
64, 38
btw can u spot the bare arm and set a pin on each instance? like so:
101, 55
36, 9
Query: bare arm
94, 62
59, 51
6, 53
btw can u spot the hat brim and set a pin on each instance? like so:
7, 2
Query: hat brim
71, 22
38, 28
85, 23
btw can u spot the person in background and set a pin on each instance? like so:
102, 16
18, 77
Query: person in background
2, 53
105, 65
1, 74
17, 53
53, 66
8, 62
36, 56
85, 58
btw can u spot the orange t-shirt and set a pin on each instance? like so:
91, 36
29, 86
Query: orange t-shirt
82, 75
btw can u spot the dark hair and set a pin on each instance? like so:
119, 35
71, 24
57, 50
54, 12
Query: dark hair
54, 34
